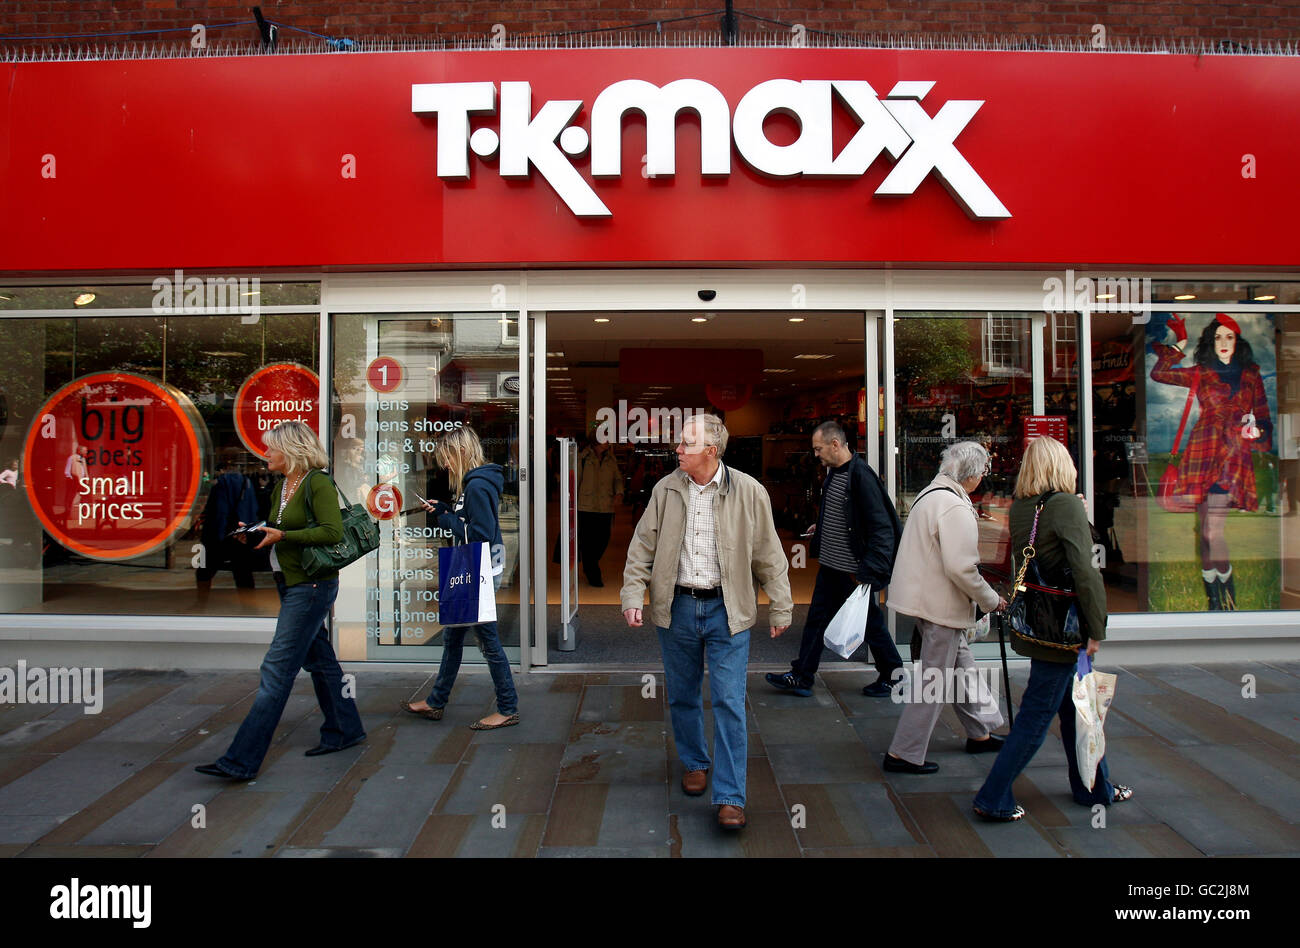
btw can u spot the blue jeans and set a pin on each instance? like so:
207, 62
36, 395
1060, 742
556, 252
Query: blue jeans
699, 631
301, 641
1048, 693
453, 643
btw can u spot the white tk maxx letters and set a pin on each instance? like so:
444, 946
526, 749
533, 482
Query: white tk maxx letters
917, 141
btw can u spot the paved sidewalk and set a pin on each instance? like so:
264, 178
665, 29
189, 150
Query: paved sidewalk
591, 771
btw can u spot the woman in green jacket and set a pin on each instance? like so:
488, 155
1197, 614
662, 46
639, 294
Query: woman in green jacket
304, 494
1063, 541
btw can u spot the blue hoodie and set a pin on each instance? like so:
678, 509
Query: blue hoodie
475, 511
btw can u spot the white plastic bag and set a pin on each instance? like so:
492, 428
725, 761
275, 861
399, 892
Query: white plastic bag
980, 630
1093, 693
848, 629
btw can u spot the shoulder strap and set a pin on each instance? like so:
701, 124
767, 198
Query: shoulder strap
933, 490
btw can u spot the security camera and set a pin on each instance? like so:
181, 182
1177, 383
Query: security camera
707, 295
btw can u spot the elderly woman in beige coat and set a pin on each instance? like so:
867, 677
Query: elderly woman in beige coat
937, 581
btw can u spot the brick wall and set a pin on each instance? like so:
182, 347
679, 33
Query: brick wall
1143, 22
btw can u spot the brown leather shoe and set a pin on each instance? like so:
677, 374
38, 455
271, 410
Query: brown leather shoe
695, 782
731, 817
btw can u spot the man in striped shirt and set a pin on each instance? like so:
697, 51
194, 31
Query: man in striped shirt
854, 541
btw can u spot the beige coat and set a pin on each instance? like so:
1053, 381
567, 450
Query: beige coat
599, 481
748, 547
936, 575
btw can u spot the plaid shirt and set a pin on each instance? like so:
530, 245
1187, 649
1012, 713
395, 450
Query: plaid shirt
697, 564
1216, 452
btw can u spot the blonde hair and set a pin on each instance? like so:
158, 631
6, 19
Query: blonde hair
459, 451
1046, 466
301, 448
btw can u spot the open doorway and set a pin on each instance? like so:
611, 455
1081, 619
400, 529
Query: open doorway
621, 383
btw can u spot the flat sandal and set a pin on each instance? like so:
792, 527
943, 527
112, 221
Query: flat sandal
1017, 814
430, 714
480, 726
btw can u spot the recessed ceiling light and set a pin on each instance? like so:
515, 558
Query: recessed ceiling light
1265, 298
779, 371
557, 368
1186, 296
555, 355
813, 355
600, 319
699, 319
84, 299
796, 319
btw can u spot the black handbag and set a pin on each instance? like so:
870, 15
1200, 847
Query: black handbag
1038, 613
360, 536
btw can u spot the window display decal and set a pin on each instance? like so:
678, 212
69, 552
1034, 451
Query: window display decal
112, 464
1214, 537
272, 395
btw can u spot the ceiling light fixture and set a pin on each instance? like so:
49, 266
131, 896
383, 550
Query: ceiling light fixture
1186, 296
84, 299
1265, 298
796, 319
600, 319
814, 355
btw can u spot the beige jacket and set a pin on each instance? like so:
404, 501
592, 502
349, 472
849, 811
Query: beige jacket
599, 481
748, 547
936, 575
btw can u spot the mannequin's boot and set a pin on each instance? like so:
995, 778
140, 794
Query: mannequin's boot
1227, 590
1210, 577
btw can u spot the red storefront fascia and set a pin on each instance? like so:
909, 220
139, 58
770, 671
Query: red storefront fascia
323, 161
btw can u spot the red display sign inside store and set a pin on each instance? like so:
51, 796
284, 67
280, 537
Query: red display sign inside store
1053, 426
661, 156
112, 464
272, 395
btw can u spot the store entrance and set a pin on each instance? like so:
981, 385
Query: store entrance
621, 383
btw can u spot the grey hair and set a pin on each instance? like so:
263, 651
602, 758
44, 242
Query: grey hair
712, 428
963, 460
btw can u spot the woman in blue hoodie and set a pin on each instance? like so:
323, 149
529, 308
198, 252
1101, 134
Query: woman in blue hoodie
471, 519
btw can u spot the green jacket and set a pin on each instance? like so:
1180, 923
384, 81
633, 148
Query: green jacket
296, 523
1064, 539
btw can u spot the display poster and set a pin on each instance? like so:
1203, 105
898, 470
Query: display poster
112, 464
274, 394
1213, 527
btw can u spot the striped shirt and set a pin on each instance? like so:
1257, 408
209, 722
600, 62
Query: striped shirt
835, 551
697, 563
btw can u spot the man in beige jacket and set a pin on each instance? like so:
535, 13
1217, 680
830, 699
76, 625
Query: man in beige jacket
706, 533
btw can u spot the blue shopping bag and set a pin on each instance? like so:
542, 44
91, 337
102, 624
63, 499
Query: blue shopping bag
466, 594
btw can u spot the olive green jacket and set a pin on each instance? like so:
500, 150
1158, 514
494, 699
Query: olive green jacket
1064, 539
296, 523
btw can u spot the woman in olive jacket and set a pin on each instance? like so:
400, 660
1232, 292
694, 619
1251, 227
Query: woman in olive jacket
1063, 541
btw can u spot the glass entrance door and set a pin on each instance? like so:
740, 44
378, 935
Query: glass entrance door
963, 377
401, 382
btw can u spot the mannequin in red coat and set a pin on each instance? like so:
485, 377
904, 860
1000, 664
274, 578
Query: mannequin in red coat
1217, 470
